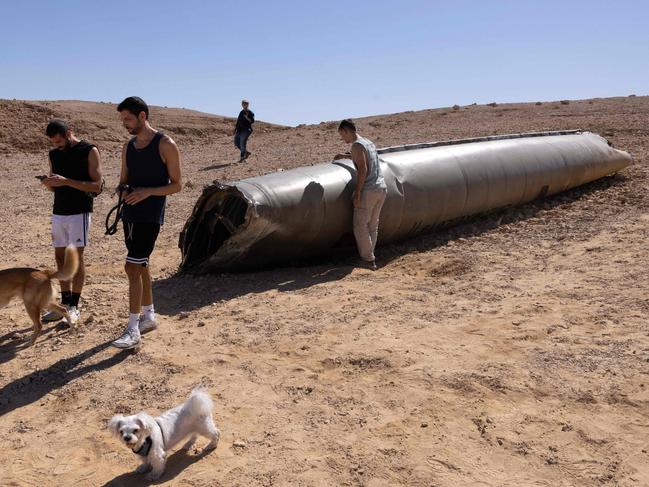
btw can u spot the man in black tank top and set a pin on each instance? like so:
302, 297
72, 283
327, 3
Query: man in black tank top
75, 172
151, 169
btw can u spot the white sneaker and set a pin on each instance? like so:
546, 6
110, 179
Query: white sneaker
51, 316
146, 325
74, 314
129, 339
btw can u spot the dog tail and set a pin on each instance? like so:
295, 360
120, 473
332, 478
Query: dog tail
70, 265
199, 403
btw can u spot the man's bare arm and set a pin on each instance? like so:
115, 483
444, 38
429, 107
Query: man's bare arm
359, 157
49, 188
123, 172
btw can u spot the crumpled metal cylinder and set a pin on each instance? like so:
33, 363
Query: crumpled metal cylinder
307, 211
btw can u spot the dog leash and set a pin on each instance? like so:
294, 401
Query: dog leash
111, 229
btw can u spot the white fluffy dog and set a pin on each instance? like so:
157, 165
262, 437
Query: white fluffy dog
151, 438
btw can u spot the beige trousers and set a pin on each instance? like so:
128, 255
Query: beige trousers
366, 222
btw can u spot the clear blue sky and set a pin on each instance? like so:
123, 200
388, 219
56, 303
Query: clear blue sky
303, 62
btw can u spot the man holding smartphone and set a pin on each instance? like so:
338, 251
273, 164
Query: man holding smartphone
75, 173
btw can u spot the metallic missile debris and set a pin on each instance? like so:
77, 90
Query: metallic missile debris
307, 211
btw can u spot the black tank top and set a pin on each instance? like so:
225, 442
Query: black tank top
146, 169
71, 163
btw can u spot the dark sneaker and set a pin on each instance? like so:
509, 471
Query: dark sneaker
364, 264
51, 316
371, 265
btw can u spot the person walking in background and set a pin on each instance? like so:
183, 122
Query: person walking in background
243, 129
369, 194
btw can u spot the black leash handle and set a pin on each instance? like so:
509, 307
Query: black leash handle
111, 229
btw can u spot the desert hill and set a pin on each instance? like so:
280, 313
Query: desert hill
512, 350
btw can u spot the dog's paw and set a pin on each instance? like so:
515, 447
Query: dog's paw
143, 468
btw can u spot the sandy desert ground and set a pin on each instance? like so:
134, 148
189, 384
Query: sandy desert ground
510, 351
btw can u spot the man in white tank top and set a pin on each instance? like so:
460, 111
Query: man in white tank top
370, 191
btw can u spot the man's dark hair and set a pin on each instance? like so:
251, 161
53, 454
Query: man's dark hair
56, 127
135, 105
347, 124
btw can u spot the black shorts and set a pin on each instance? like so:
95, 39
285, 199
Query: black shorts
140, 239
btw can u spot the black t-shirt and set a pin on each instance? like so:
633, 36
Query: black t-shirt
71, 163
242, 123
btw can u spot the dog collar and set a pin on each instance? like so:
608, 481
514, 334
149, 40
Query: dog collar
144, 448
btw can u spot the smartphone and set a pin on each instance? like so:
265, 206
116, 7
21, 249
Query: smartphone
40, 178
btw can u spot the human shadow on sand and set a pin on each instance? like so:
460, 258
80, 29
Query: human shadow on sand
14, 341
187, 292
35, 385
215, 167
176, 463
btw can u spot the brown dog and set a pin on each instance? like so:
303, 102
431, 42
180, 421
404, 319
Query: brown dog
35, 288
